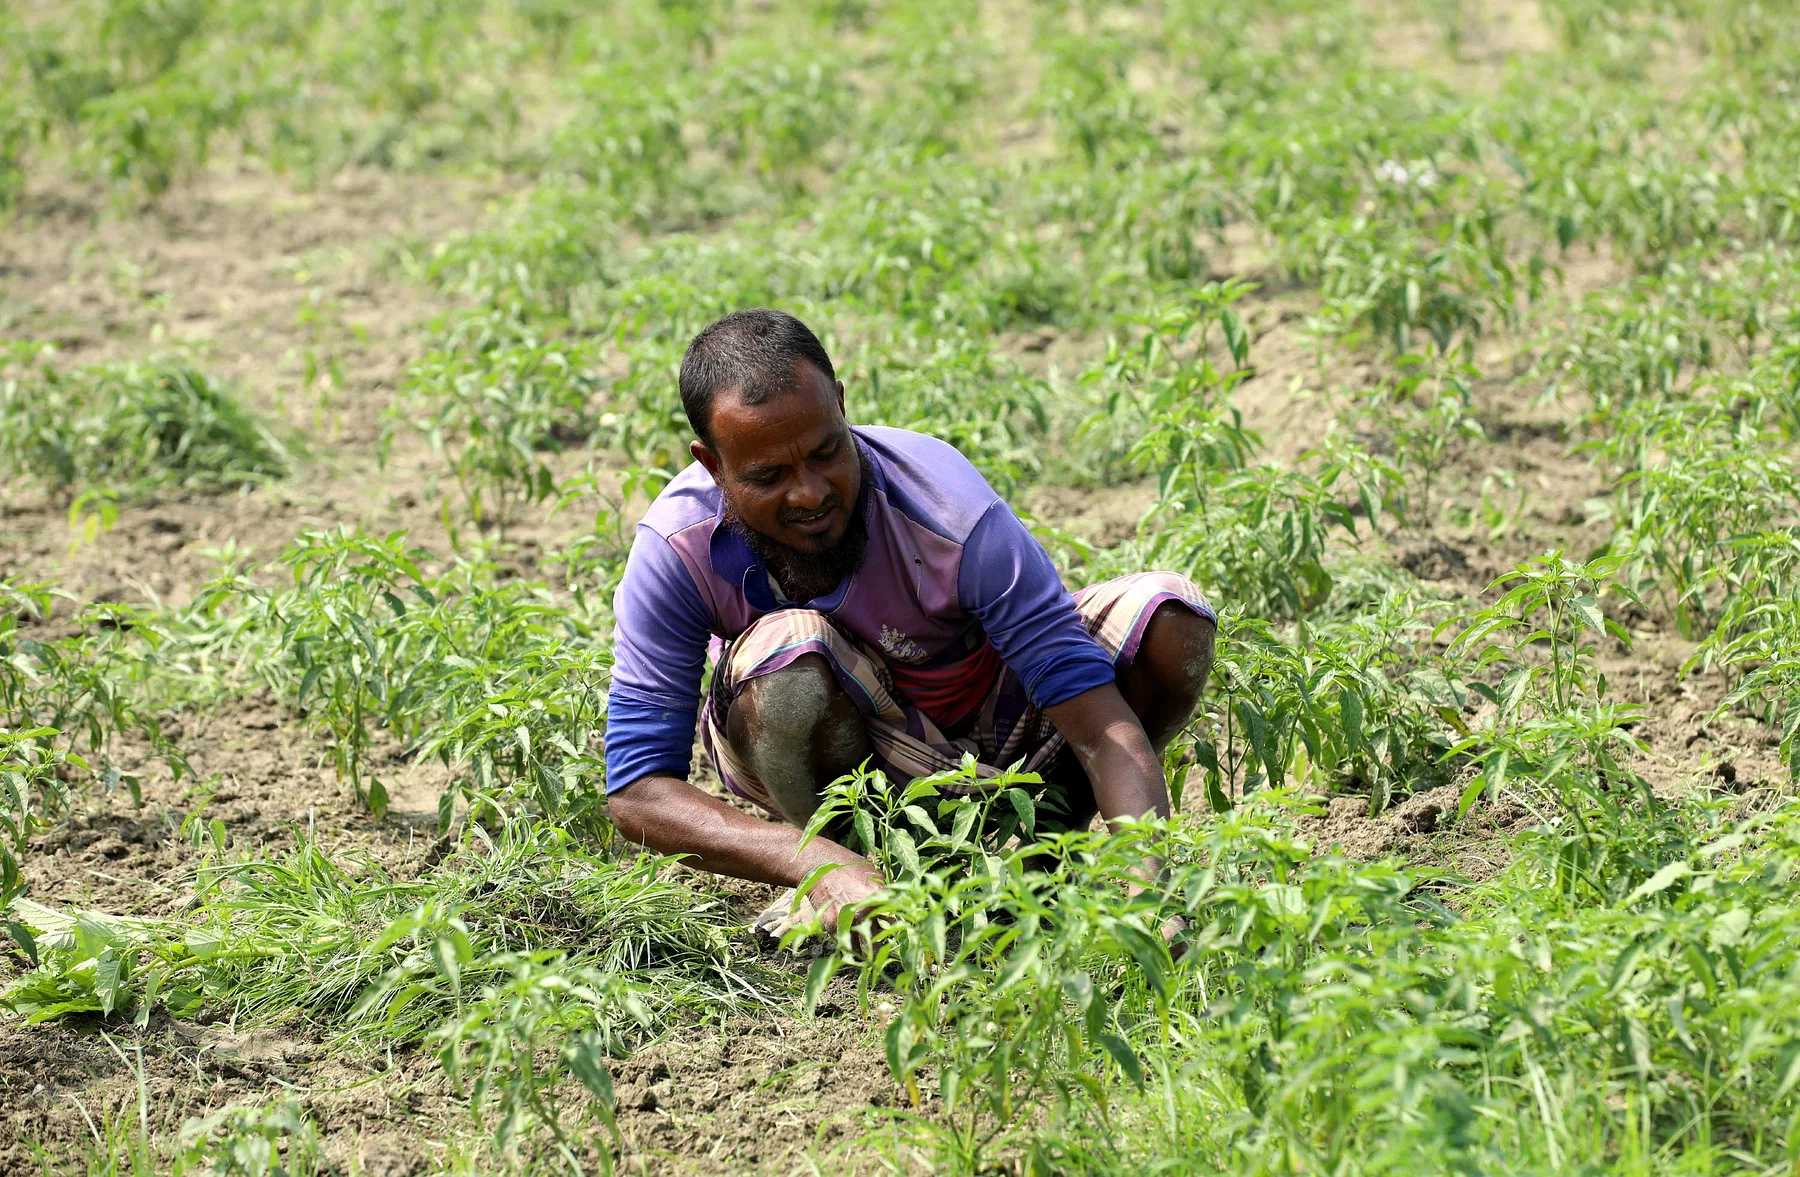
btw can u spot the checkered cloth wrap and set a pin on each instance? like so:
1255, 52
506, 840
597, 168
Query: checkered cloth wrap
904, 742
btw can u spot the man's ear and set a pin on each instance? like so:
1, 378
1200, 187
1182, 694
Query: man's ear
704, 455
840, 395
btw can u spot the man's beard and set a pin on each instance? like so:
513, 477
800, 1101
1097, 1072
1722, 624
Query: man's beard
803, 575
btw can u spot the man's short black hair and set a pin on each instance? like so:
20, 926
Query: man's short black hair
752, 351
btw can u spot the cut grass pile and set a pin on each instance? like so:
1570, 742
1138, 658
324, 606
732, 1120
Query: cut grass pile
130, 429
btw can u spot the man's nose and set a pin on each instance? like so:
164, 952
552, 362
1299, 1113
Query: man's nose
809, 490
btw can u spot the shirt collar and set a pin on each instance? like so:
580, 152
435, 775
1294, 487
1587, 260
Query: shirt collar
737, 565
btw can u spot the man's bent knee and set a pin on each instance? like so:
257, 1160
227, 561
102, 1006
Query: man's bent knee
1165, 680
797, 730
1181, 640
790, 702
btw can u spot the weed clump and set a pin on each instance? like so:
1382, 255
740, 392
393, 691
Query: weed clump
131, 429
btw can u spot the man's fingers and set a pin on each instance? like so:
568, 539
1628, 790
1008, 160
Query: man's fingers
781, 917
778, 912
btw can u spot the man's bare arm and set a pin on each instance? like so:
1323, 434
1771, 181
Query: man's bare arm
1123, 767
671, 816
1109, 741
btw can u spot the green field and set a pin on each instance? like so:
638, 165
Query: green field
1452, 346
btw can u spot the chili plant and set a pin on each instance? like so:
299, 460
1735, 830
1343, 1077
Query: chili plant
497, 410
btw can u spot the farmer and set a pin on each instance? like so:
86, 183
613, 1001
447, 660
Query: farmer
864, 595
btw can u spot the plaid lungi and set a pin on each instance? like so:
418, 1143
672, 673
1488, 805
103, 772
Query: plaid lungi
904, 742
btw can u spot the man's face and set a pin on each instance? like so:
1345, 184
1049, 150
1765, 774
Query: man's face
788, 466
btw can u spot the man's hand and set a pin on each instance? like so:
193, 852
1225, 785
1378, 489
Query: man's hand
845, 888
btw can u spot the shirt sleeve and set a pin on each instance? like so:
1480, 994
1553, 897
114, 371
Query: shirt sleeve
659, 650
1009, 583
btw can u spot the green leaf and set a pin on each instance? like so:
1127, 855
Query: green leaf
1623, 967
1150, 953
1470, 792
56, 928
97, 932
1284, 899
1587, 611
1790, 1069
1121, 1053
963, 823
365, 636
1026, 808
1350, 718
109, 980
905, 852
1661, 881
950, 1085
1513, 688
306, 682
812, 880
153, 983
1215, 793
937, 935
920, 818
864, 825
451, 953
818, 977
1729, 928
586, 1059
204, 943
183, 1003
895, 1046
1257, 728
39, 1013
26, 941
1021, 962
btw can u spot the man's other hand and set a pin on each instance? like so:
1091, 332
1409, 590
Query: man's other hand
846, 888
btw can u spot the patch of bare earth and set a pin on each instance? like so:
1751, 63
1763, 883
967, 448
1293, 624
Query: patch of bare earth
254, 280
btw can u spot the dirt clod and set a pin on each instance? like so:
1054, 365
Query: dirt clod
1436, 560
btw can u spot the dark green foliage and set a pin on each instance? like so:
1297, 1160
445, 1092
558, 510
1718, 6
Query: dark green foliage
1326, 1012
490, 676
82, 689
365, 956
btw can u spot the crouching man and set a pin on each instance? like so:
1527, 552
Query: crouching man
864, 594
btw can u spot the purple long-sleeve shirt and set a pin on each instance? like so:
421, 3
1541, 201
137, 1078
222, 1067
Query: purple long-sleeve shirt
945, 555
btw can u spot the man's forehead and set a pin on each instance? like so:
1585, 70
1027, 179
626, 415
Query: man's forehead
749, 434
